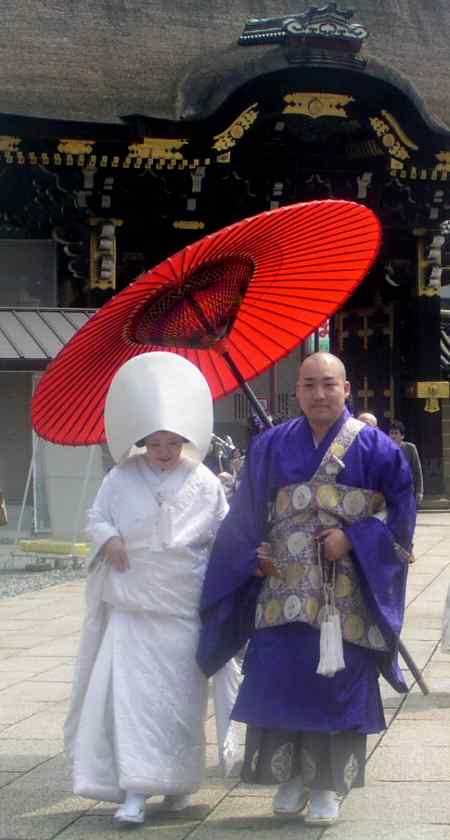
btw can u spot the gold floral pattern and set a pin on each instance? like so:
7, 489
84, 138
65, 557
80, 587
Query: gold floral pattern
327, 496
273, 611
312, 608
297, 543
282, 502
354, 628
301, 497
343, 587
294, 573
354, 502
292, 607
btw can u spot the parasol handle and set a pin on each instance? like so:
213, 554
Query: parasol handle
251, 396
416, 672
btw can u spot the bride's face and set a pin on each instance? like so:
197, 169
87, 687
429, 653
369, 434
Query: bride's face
163, 449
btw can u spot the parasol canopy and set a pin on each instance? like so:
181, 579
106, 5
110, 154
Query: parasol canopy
249, 293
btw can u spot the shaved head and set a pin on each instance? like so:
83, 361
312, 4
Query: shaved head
328, 360
368, 418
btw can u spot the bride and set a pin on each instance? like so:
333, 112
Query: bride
136, 723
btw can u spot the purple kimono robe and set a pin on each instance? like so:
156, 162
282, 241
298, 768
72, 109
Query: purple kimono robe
281, 689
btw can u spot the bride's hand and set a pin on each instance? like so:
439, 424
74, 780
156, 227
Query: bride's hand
116, 554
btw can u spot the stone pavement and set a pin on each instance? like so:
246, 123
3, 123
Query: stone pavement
407, 795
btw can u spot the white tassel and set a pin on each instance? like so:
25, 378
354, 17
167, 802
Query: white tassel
331, 646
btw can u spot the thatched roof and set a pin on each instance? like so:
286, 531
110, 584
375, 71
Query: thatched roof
96, 60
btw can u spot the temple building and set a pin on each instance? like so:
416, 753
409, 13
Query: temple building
128, 131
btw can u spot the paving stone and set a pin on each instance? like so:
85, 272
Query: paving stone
416, 763
411, 633
43, 692
411, 802
406, 733
385, 831
21, 756
14, 624
260, 791
47, 724
104, 828
12, 711
60, 647
62, 674
7, 653
26, 661
12, 677
210, 731
39, 804
7, 777
207, 798
251, 818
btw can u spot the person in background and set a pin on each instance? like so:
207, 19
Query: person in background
228, 484
397, 434
368, 418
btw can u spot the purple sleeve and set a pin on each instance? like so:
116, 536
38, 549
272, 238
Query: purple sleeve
381, 549
230, 589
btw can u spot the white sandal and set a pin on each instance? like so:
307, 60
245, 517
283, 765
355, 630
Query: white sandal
323, 808
132, 810
290, 798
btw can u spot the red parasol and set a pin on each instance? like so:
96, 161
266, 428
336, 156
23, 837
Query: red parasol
233, 303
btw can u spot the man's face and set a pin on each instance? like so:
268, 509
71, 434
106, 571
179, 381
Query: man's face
396, 436
322, 390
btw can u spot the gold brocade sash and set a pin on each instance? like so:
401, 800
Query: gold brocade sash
300, 511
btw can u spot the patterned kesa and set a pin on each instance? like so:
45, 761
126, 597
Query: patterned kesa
299, 512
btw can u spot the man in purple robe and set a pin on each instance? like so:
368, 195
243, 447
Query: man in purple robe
323, 520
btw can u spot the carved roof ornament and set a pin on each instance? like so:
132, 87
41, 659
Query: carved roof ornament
325, 26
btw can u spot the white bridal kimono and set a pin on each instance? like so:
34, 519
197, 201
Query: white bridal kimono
138, 707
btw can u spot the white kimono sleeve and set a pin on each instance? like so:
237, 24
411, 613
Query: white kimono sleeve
100, 526
226, 683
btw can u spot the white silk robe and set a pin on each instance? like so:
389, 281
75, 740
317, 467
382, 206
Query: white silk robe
136, 721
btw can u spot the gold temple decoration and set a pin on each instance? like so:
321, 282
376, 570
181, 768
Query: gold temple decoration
432, 392
228, 138
76, 147
399, 130
423, 288
162, 148
366, 393
9, 144
188, 225
444, 162
317, 104
391, 139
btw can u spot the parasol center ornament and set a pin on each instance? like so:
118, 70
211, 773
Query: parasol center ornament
197, 311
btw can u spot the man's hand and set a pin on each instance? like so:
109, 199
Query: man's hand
335, 543
116, 554
267, 567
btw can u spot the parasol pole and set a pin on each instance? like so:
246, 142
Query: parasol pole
415, 671
251, 396
404, 653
